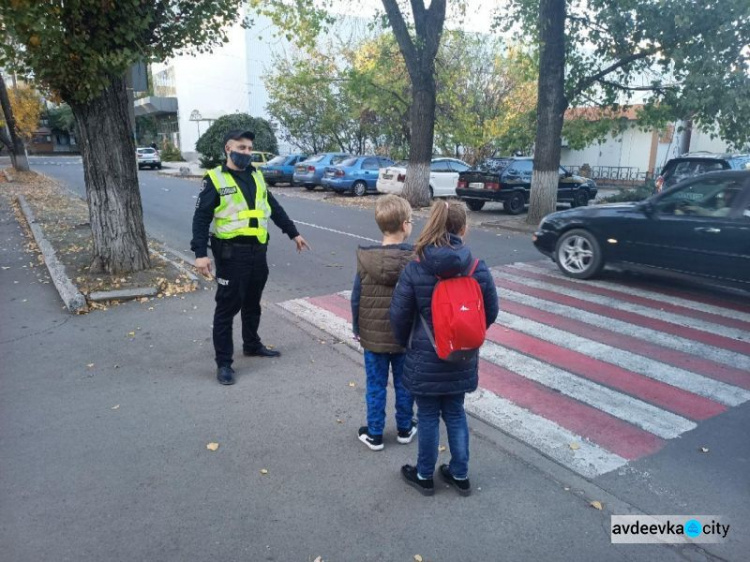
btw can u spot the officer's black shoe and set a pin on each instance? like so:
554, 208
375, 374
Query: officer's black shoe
225, 374
262, 351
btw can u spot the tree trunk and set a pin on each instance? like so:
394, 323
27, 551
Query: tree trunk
686, 136
17, 150
551, 107
416, 187
110, 172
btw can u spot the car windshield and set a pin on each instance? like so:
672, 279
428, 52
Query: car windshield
316, 158
146, 151
338, 158
401, 164
494, 164
349, 161
278, 161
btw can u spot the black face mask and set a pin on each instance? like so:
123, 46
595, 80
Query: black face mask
240, 160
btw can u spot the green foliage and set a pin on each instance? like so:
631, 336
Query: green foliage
61, 118
76, 48
211, 143
486, 100
683, 59
170, 153
632, 195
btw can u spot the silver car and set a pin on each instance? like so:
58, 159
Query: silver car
148, 156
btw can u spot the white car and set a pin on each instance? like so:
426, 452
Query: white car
443, 177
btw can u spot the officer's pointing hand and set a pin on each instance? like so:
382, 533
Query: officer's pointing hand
301, 244
203, 265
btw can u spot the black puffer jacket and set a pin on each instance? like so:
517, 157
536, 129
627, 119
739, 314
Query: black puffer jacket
424, 372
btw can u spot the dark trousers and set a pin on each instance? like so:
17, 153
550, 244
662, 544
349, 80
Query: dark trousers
241, 274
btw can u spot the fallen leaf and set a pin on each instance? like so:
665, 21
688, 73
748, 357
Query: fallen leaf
704, 449
212, 446
352, 384
90, 365
318, 559
441, 448
596, 505
131, 334
339, 420
117, 407
117, 366
575, 446
418, 558
263, 471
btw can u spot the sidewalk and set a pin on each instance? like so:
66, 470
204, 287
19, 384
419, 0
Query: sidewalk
105, 418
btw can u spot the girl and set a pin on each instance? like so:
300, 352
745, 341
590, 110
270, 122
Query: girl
438, 386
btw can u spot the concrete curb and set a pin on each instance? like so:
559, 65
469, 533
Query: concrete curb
518, 229
74, 300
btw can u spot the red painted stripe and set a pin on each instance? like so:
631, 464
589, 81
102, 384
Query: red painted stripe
635, 299
656, 392
631, 317
687, 361
615, 435
334, 304
684, 294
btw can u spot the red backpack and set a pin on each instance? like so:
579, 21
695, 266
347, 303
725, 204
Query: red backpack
457, 317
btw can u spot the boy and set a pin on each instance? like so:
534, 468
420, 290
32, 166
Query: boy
378, 269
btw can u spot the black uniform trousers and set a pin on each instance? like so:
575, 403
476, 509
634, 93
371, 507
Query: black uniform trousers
241, 274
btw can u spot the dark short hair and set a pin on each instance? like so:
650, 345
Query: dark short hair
237, 134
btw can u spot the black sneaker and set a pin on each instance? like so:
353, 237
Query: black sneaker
261, 351
374, 442
225, 374
425, 487
406, 435
463, 487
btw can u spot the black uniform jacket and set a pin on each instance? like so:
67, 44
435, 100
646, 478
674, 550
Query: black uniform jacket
209, 199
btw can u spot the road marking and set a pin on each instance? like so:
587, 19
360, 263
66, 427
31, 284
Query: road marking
338, 231
560, 370
698, 330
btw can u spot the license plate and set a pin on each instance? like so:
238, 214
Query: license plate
387, 176
476, 185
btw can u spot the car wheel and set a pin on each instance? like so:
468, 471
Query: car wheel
515, 204
153, 166
580, 198
359, 188
578, 254
474, 205
310, 186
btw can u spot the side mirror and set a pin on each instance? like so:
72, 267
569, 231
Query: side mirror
648, 208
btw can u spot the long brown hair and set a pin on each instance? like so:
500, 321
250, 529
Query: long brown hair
446, 217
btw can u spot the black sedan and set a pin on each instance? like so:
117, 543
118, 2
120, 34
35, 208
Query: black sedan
700, 227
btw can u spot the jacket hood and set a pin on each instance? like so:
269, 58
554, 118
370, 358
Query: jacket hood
447, 261
384, 263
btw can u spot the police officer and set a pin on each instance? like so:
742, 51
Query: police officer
235, 199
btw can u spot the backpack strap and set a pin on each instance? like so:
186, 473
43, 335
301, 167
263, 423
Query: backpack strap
473, 268
429, 332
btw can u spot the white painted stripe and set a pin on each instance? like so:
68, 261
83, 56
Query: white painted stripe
338, 231
589, 460
632, 291
327, 321
692, 382
646, 416
684, 345
711, 328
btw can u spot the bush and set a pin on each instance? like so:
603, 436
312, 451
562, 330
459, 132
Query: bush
631, 195
170, 153
211, 143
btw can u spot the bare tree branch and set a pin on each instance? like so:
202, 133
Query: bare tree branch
585, 83
401, 32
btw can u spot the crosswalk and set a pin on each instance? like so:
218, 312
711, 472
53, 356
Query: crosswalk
594, 374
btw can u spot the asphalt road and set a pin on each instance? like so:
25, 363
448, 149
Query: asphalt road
332, 231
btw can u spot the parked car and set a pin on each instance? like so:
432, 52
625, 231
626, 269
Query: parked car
699, 227
310, 172
147, 156
696, 163
260, 158
281, 168
443, 177
357, 174
509, 180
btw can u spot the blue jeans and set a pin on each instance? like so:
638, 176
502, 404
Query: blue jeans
376, 367
451, 406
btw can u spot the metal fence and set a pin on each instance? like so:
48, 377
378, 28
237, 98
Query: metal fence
612, 175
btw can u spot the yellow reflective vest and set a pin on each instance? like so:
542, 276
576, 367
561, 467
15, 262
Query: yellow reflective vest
232, 216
